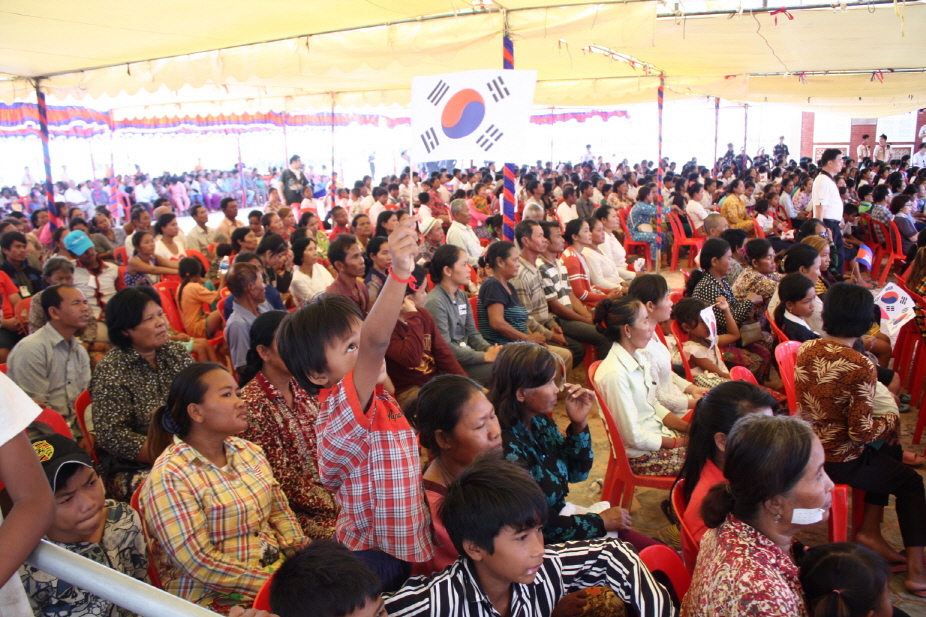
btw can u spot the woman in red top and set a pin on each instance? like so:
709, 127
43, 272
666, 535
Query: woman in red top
578, 235
715, 414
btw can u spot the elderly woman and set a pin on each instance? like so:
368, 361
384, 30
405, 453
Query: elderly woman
675, 393
835, 386
653, 436
775, 487
129, 383
708, 285
603, 273
760, 277
281, 418
734, 207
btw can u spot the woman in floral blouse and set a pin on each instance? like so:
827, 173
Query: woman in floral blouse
835, 388
281, 419
775, 487
761, 278
734, 207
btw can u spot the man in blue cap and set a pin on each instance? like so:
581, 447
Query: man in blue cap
96, 279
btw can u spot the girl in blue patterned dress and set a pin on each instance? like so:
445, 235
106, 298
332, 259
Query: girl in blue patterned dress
644, 213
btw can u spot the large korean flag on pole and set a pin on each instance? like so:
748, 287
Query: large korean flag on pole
479, 115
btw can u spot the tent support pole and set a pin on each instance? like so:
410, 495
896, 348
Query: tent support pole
745, 126
46, 156
508, 196
244, 190
660, 101
716, 131
285, 138
331, 122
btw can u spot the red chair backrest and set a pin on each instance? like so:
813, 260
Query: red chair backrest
778, 332
786, 354
896, 244
262, 600
675, 296
3, 368
121, 255
741, 373
680, 338
202, 259
675, 223
661, 558
21, 312
662, 337
80, 410
757, 229
886, 245
690, 547
695, 230
220, 307
153, 575
55, 421
167, 290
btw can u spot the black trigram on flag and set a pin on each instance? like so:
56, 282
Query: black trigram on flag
429, 138
498, 89
438, 92
489, 138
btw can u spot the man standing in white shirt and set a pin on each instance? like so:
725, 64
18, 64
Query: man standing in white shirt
825, 200
919, 158
883, 150
863, 151
588, 156
461, 234
567, 210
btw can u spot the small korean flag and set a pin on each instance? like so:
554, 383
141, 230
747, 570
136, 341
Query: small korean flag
480, 115
711, 320
864, 256
893, 300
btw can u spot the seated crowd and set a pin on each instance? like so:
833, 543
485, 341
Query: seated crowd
249, 407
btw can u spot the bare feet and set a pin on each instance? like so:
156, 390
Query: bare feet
912, 458
880, 545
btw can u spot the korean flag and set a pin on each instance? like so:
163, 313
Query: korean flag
479, 115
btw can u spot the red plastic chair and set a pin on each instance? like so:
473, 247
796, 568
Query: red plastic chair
680, 240
661, 558
120, 280
121, 255
631, 245
3, 368
473, 302
680, 338
741, 373
202, 259
262, 600
690, 547
778, 332
220, 307
21, 311
887, 249
167, 290
153, 575
620, 480
55, 421
786, 354
757, 229
695, 230
662, 337
675, 295
80, 410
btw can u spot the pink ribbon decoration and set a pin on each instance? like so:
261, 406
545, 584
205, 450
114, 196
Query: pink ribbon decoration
781, 11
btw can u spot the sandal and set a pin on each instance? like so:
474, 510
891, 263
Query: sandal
903, 407
905, 398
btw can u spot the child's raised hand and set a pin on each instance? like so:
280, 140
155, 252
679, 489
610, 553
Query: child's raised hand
403, 246
722, 304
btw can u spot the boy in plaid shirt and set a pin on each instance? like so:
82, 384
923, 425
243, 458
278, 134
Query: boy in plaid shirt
367, 452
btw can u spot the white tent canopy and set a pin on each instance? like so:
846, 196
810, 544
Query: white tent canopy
285, 55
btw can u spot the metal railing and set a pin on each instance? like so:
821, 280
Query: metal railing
116, 587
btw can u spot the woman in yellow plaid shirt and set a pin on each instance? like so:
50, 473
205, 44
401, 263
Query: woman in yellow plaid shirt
216, 520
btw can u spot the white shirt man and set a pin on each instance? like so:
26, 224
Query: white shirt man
145, 192
863, 151
567, 210
461, 234
919, 159
883, 150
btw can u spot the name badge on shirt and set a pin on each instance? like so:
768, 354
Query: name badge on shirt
24, 291
462, 308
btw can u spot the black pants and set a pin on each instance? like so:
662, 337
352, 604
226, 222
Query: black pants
836, 238
881, 473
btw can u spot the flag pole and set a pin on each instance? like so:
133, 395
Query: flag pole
745, 128
660, 101
508, 196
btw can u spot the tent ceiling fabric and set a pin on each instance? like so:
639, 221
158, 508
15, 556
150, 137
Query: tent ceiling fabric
341, 46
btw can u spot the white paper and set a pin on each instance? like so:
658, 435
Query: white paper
481, 115
571, 509
711, 320
807, 516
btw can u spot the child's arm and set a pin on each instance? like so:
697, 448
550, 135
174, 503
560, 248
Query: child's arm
733, 330
708, 365
378, 326
33, 509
